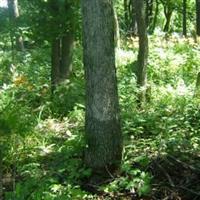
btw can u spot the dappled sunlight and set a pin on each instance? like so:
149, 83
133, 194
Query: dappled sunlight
61, 67
3, 3
59, 128
123, 56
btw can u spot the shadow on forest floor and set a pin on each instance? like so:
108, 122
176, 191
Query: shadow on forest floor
176, 175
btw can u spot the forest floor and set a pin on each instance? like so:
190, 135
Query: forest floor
42, 137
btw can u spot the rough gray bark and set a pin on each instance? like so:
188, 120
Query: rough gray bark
185, 17
103, 131
198, 17
141, 73
14, 15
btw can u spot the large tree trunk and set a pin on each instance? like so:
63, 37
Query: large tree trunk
185, 17
198, 16
103, 131
14, 15
143, 50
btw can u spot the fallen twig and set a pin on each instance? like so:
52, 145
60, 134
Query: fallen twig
166, 174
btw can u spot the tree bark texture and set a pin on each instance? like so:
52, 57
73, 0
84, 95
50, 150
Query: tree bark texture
185, 17
103, 131
168, 14
141, 73
198, 17
117, 31
1, 174
168, 19
66, 55
149, 11
134, 30
61, 58
198, 81
126, 12
152, 27
14, 15
55, 63
197, 89
143, 43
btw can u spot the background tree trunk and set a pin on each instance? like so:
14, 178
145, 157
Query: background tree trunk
198, 16
149, 11
197, 89
185, 17
134, 30
103, 131
198, 81
143, 50
152, 27
168, 15
168, 10
14, 15
126, 13
61, 58
55, 63
67, 42
1, 174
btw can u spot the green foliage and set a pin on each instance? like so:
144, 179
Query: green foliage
14, 114
58, 17
42, 135
3, 19
62, 102
132, 179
